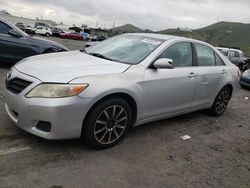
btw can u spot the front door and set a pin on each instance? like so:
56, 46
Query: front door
167, 91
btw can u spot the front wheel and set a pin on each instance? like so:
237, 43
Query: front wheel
107, 123
220, 102
47, 34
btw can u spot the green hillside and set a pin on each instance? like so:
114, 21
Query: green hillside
128, 28
219, 34
228, 34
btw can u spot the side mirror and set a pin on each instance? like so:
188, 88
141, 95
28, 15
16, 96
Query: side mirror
163, 63
14, 33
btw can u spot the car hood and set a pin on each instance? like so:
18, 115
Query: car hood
48, 42
62, 67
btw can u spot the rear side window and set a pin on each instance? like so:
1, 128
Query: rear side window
205, 56
234, 54
219, 61
4, 29
180, 53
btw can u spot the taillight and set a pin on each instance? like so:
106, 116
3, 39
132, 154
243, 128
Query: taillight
239, 73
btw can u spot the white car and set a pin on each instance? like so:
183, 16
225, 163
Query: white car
44, 31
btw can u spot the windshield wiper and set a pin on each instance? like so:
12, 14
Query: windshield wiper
100, 56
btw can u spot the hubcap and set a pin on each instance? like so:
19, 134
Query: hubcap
110, 124
222, 102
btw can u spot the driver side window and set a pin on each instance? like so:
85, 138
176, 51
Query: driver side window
4, 29
180, 53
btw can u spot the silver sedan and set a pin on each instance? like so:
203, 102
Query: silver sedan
125, 81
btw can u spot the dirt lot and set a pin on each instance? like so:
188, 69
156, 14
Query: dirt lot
152, 155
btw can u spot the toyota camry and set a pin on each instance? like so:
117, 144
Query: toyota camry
124, 81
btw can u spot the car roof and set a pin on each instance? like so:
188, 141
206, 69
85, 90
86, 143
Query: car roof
153, 35
223, 48
168, 37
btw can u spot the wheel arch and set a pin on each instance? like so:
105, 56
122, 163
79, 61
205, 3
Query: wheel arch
230, 87
131, 101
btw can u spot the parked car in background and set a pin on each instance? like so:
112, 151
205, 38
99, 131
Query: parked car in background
56, 32
236, 56
44, 31
101, 38
20, 26
30, 30
72, 35
245, 79
124, 81
41, 24
16, 44
92, 38
88, 44
26, 28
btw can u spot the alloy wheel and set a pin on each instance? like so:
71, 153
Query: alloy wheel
110, 124
222, 101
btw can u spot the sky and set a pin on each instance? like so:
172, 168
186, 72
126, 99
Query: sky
146, 14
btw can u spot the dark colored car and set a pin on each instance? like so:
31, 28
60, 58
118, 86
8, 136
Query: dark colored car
101, 38
72, 35
16, 44
20, 26
27, 29
245, 79
56, 32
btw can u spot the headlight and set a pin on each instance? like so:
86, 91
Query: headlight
56, 90
246, 72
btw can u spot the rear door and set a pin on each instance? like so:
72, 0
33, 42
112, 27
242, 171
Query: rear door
211, 72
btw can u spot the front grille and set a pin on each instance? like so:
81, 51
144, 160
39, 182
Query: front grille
16, 85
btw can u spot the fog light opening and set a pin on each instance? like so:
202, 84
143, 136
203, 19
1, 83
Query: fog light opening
44, 126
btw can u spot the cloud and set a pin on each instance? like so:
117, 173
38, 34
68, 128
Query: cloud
155, 15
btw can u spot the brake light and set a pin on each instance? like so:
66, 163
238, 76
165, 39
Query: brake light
239, 73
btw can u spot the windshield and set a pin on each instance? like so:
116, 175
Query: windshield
130, 49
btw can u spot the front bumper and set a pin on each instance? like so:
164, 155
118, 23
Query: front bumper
65, 115
245, 84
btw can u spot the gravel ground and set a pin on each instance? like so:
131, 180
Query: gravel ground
152, 155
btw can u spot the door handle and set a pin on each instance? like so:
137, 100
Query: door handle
192, 75
223, 72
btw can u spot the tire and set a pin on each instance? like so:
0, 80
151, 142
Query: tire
107, 123
220, 103
47, 34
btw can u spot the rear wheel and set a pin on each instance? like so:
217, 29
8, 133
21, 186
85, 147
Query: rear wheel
107, 123
221, 102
